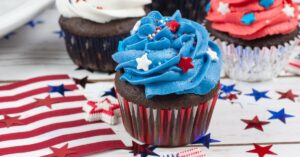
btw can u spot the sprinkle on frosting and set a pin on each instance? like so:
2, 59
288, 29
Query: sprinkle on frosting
248, 18
266, 3
223, 8
143, 62
173, 25
213, 55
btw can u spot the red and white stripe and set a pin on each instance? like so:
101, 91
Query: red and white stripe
43, 127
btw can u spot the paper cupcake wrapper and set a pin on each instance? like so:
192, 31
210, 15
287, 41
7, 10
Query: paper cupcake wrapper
92, 53
166, 127
255, 64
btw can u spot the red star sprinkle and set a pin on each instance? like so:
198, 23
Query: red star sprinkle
46, 102
9, 121
262, 151
173, 25
255, 123
288, 95
185, 63
64, 151
231, 97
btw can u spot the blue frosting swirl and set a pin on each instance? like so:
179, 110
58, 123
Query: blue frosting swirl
164, 49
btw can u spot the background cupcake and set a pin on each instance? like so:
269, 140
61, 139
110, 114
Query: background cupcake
256, 37
93, 29
167, 81
191, 9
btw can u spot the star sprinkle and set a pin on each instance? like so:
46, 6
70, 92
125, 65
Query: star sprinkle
287, 95
10, 121
173, 25
60, 33
136, 27
82, 82
288, 10
280, 115
248, 18
266, 3
228, 88
144, 150
258, 95
262, 151
143, 62
205, 140
34, 23
111, 92
223, 8
47, 101
213, 55
64, 151
58, 89
185, 64
255, 123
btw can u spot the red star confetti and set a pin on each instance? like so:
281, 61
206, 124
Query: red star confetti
82, 82
231, 97
46, 102
185, 64
173, 25
144, 150
287, 95
10, 121
255, 123
262, 151
64, 151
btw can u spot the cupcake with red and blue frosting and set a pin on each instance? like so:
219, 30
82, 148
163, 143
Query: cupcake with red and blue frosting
167, 80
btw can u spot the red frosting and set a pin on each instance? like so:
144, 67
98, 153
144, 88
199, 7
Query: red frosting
268, 21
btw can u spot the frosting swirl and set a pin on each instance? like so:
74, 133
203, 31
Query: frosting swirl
102, 11
252, 19
169, 55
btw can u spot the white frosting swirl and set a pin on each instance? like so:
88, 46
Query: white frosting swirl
102, 11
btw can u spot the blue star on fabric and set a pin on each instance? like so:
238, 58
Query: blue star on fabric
280, 115
266, 3
111, 92
34, 23
228, 89
60, 33
207, 7
205, 140
9, 35
258, 95
248, 18
58, 89
151, 149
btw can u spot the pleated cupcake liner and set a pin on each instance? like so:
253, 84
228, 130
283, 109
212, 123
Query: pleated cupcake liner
93, 53
166, 127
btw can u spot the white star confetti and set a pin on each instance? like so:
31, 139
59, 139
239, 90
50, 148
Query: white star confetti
143, 62
223, 8
213, 55
288, 10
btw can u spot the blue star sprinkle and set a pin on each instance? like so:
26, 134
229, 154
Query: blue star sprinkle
248, 18
111, 92
280, 115
34, 23
58, 89
266, 3
228, 89
207, 7
258, 95
9, 35
205, 140
60, 33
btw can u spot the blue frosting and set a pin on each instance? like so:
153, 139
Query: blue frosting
164, 50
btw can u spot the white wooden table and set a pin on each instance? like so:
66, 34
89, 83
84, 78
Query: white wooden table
29, 53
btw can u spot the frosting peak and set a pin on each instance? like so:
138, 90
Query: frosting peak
102, 11
252, 19
169, 55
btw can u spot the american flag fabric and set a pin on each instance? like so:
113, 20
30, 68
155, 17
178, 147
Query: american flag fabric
43, 117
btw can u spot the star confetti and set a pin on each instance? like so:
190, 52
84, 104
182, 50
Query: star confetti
262, 151
255, 123
266, 3
144, 150
173, 25
9, 35
258, 95
46, 102
10, 121
111, 92
280, 115
248, 18
288, 95
143, 62
231, 97
34, 23
223, 8
58, 89
228, 88
64, 151
185, 63
82, 82
205, 140
60, 33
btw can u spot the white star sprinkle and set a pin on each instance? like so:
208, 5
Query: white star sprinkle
213, 55
223, 8
267, 21
288, 10
143, 62
136, 27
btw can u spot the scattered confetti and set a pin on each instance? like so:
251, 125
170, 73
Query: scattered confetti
258, 95
255, 123
205, 140
58, 89
262, 151
280, 115
288, 95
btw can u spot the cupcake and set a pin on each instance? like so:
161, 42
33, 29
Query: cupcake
167, 80
93, 29
191, 9
256, 37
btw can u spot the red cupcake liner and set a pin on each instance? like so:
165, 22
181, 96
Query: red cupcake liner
166, 127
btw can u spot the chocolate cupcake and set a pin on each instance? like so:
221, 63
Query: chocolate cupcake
256, 37
191, 9
93, 29
168, 80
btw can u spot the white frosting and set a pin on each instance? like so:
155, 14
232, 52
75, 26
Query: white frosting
102, 11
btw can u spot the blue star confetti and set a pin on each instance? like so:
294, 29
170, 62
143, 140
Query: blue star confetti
205, 140
60, 33
143, 150
34, 23
111, 92
258, 95
228, 88
266, 3
9, 35
280, 115
248, 18
58, 89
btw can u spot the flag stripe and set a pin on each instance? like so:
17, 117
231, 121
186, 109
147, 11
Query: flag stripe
33, 80
294, 65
